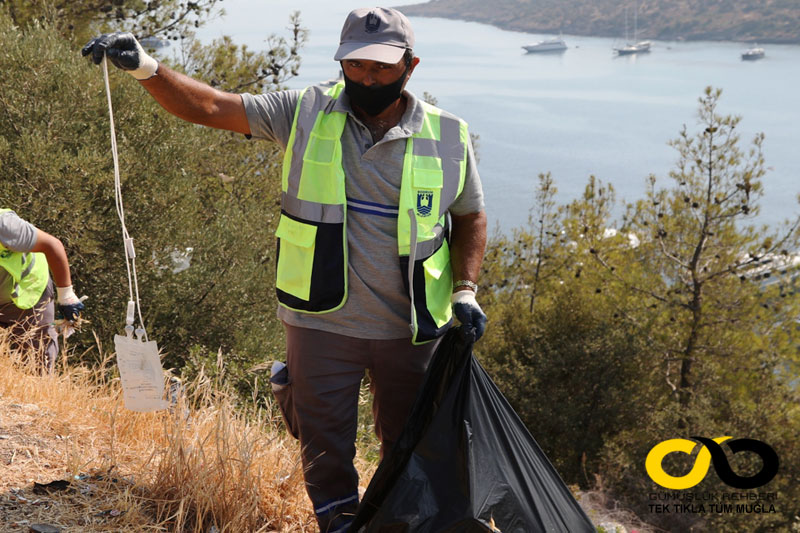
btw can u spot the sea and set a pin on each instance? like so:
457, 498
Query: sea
574, 114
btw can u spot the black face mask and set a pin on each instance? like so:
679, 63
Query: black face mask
373, 100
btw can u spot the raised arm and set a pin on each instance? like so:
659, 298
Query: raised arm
197, 102
179, 94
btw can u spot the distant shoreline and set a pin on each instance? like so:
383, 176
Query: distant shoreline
661, 21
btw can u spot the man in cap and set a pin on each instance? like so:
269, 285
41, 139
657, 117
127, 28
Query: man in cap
380, 241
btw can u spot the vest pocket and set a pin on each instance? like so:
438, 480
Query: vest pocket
433, 285
425, 178
296, 243
439, 286
322, 178
311, 267
320, 157
320, 149
427, 191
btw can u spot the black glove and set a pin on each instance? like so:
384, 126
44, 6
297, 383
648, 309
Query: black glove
71, 312
468, 312
124, 51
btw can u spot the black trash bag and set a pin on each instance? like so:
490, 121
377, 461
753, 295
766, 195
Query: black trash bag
465, 462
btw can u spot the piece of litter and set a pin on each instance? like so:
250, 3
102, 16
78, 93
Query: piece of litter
141, 374
44, 528
53, 486
109, 512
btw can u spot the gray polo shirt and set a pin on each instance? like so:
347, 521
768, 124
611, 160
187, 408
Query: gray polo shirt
18, 236
377, 306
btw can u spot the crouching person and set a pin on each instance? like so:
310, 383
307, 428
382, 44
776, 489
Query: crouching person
27, 305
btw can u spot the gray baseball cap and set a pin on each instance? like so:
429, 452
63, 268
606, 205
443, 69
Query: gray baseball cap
375, 33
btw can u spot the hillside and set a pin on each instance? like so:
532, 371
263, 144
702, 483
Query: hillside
75, 459
766, 21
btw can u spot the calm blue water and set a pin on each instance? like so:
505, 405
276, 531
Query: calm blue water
578, 113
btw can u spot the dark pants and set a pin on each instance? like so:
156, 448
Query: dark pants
33, 330
325, 373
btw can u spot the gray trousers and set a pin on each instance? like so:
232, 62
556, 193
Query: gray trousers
321, 407
33, 329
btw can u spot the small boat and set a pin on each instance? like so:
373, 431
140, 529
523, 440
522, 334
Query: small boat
555, 44
333, 81
752, 54
639, 48
153, 42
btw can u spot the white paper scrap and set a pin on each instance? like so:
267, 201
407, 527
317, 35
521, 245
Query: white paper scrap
141, 374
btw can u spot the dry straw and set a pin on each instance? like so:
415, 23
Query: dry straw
207, 464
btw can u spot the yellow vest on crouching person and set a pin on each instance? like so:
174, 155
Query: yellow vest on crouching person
29, 274
312, 232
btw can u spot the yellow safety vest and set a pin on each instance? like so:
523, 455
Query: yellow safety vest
29, 273
312, 234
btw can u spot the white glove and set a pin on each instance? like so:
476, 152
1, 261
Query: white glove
66, 296
468, 312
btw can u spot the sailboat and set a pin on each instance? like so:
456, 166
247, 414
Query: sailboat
638, 47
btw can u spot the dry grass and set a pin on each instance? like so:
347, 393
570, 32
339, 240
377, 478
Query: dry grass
209, 463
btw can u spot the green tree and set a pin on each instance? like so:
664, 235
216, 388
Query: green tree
567, 360
162, 19
678, 320
718, 294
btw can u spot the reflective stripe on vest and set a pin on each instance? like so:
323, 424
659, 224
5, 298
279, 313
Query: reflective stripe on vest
312, 243
28, 272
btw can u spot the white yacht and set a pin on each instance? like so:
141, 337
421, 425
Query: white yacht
556, 44
333, 81
752, 54
153, 42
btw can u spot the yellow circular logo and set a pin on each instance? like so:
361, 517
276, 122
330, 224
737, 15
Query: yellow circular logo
654, 460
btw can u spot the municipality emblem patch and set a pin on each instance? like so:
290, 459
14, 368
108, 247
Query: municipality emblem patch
424, 203
373, 23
